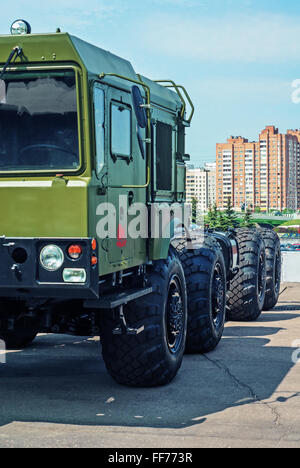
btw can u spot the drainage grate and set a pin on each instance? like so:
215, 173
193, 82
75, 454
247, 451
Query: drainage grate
286, 308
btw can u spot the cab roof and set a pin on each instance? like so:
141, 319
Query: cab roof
63, 47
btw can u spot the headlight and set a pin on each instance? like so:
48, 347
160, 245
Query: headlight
20, 27
52, 258
74, 275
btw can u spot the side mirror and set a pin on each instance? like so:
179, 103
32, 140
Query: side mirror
138, 105
141, 141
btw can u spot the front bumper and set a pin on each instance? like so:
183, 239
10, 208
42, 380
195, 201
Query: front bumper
22, 275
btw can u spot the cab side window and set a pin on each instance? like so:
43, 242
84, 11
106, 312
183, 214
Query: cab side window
164, 155
120, 130
99, 127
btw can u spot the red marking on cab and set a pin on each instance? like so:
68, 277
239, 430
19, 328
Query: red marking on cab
122, 241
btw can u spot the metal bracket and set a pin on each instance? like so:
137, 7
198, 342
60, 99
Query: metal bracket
123, 328
17, 271
117, 299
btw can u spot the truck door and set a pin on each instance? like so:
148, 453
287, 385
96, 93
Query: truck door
125, 168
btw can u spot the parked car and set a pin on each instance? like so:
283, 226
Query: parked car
287, 247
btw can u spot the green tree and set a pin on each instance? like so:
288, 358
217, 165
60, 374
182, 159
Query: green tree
194, 210
247, 219
212, 217
288, 211
230, 217
221, 224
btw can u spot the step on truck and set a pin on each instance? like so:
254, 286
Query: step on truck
94, 236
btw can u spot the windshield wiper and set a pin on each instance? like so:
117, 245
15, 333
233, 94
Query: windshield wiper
16, 52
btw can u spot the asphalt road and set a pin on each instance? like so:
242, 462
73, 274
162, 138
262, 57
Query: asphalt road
245, 394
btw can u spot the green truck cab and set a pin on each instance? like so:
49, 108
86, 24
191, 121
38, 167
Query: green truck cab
70, 142
91, 154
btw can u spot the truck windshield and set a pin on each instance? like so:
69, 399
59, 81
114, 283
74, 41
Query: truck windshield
38, 122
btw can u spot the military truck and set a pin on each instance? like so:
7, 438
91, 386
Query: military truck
92, 155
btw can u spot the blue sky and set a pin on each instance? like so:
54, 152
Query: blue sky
237, 58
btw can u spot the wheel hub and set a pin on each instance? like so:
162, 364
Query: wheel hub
261, 275
174, 316
218, 297
277, 272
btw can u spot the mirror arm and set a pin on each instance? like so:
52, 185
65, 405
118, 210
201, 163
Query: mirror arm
146, 106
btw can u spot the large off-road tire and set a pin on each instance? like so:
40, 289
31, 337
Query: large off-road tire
273, 267
153, 357
205, 275
246, 295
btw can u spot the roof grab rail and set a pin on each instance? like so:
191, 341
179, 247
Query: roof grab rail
177, 88
189, 101
174, 85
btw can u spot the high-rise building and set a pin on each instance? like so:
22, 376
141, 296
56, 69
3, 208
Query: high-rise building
211, 184
196, 187
201, 185
258, 174
296, 133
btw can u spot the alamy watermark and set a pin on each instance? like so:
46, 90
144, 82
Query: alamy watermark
2, 352
296, 353
139, 220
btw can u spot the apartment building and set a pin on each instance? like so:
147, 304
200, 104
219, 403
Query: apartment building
259, 174
201, 185
211, 183
296, 133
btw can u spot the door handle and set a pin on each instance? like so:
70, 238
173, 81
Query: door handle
130, 198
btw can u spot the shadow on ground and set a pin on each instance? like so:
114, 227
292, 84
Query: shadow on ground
62, 379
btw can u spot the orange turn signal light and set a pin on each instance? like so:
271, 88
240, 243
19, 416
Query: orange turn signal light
94, 244
94, 260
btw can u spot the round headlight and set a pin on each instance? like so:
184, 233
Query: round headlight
52, 258
20, 27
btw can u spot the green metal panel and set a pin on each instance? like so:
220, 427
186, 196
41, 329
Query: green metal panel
181, 177
159, 247
97, 60
43, 208
40, 48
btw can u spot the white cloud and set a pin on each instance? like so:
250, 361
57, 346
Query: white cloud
235, 38
77, 13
